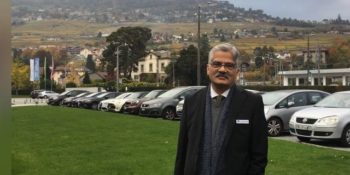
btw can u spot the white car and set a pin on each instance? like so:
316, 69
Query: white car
104, 104
47, 94
327, 119
117, 105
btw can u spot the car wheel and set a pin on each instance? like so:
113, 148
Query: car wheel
303, 139
345, 138
169, 113
274, 126
94, 106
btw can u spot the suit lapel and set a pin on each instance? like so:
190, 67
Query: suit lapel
234, 108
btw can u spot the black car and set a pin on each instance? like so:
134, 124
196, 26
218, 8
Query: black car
76, 101
35, 93
70, 100
58, 99
92, 102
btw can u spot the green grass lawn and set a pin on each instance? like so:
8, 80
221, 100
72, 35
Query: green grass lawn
56, 140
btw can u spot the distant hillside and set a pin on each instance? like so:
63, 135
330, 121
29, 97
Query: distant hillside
129, 4
165, 11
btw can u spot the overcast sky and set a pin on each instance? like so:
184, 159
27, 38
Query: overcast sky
300, 9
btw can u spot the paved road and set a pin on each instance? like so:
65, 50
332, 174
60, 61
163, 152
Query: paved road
27, 102
314, 142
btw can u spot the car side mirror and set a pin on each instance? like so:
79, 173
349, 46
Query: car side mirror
181, 97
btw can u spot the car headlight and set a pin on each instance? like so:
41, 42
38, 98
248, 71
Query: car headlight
179, 107
293, 119
155, 105
328, 121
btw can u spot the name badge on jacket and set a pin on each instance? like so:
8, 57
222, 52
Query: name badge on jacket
244, 122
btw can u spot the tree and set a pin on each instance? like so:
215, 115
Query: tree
185, 66
339, 54
99, 35
258, 61
20, 76
136, 39
86, 79
90, 63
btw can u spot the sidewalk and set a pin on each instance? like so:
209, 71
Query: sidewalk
17, 102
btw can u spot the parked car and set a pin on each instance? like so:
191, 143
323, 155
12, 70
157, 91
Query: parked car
165, 105
58, 99
279, 106
179, 106
327, 119
76, 101
35, 93
47, 94
103, 105
133, 105
117, 105
92, 102
68, 101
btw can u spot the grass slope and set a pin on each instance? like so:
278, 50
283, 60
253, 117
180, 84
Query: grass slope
56, 140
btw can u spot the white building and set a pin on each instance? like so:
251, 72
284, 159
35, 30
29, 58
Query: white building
327, 77
152, 64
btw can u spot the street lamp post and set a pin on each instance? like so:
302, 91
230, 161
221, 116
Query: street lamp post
173, 61
117, 52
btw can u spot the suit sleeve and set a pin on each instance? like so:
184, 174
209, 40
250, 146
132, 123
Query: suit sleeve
259, 140
182, 143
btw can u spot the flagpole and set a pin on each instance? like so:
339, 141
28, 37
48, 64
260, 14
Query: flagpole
52, 69
45, 72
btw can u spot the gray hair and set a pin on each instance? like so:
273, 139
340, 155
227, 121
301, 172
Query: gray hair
225, 47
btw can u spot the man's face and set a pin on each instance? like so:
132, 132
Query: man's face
222, 70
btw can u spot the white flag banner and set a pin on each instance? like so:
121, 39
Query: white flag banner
36, 69
31, 69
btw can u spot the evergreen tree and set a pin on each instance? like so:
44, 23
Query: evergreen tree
90, 64
86, 79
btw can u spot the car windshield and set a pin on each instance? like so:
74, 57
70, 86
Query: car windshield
152, 94
93, 94
171, 93
337, 100
123, 95
102, 95
134, 95
271, 98
65, 92
82, 94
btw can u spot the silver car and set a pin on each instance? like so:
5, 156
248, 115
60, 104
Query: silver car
165, 105
328, 119
279, 106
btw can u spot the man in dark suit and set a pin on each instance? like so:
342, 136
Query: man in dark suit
223, 130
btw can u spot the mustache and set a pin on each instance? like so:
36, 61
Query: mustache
221, 74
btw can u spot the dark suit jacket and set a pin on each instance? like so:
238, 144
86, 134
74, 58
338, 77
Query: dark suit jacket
245, 145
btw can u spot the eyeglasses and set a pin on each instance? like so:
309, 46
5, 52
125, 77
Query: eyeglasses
227, 66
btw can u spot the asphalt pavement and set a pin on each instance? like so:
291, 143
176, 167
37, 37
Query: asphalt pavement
314, 142
16, 102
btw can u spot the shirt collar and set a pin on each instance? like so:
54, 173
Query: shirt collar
214, 94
